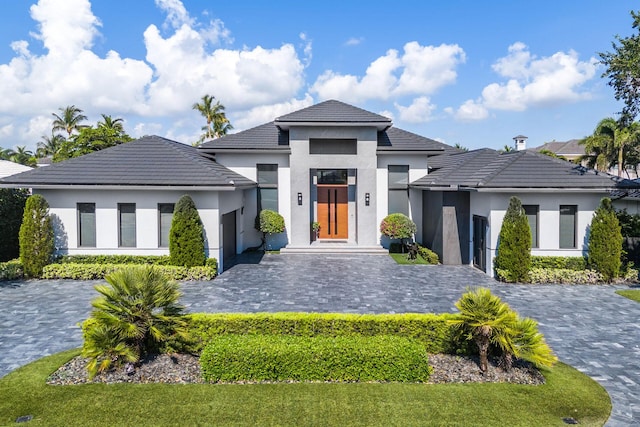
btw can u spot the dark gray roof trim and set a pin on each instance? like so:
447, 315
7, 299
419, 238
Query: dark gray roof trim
263, 137
148, 161
488, 169
333, 111
394, 139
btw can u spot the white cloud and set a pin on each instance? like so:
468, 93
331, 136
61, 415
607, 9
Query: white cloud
177, 14
354, 41
420, 70
532, 82
266, 113
420, 110
387, 113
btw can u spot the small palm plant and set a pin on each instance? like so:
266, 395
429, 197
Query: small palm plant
489, 321
136, 314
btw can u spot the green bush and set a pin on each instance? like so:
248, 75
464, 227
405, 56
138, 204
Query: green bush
514, 243
12, 201
269, 222
428, 255
98, 271
398, 226
11, 270
430, 330
565, 262
605, 242
564, 276
36, 236
136, 314
115, 259
231, 358
186, 236
629, 223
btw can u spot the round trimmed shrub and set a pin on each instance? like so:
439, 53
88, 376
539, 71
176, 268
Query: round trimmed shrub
398, 226
36, 236
514, 243
186, 237
269, 222
605, 241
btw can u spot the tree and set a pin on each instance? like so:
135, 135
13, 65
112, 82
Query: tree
23, 156
186, 236
89, 140
398, 226
609, 144
461, 147
36, 236
623, 71
269, 222
217, 122
136, 315
552, 154
69, 120
12, 203
605, 241
514, 243
49, 145
6, 153
110, 123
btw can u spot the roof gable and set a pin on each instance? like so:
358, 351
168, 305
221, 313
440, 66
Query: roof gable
148, 161
332, 111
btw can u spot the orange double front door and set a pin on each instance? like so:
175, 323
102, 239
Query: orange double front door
333, 211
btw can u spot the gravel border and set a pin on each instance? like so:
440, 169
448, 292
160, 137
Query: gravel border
185, 369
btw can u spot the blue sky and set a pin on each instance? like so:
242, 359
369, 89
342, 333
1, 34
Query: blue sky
467, 72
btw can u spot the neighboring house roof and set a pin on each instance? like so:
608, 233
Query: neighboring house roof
488, 169
567, 148
273, 136
8, 168
148, 161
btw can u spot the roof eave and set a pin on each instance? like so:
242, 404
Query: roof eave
135, 187
379, 125
244, 150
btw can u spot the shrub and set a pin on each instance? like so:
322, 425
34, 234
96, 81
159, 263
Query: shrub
564, 262
12, 202
398, 226
186, 236
285, 358
490, 322
99, 271
11, 270
431, 330
114, 259
428, 255
136, 314
564, 276
605, 242
514, 243
36, 236
269, 222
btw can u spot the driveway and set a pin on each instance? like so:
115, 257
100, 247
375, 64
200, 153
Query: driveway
589, 327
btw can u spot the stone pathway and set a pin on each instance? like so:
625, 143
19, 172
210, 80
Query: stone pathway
589, 327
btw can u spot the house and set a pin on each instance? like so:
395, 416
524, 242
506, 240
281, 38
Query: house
8, 168
332, 163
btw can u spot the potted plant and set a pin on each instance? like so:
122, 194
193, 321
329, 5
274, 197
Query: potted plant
315, 226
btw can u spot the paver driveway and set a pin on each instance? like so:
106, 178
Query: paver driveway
589, 327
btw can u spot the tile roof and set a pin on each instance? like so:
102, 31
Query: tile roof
333, 111
394, 139
487, 168
11, 168
148, 161
263, 137
571, 147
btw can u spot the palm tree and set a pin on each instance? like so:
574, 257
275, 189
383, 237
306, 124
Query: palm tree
217, 122
609, 143
49, 145
110, 123
69, 120
6, 153
23, 156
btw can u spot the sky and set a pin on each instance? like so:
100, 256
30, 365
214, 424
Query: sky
460, 71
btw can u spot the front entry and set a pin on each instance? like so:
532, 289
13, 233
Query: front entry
479, 242
333, 211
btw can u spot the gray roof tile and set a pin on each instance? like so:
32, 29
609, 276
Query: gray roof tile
333, 111
263, 137
148, 161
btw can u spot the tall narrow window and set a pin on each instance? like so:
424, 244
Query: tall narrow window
532, 211
399, 189
568, 226
87, 225
268, 187
127, 225
165, 216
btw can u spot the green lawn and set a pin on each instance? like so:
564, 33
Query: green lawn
568, 393
404, 259
632, 294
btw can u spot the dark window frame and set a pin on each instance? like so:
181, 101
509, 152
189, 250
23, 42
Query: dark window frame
266, 169
535, 237
333, 146
81, 235
120, 224
160, 206
396, 188
574, 214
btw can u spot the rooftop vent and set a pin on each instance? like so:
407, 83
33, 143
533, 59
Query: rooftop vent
521, 142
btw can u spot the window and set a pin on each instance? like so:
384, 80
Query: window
399, 189
87, 225
127, 225
268, 187
532, 211
568, 226
333, 146
165, 216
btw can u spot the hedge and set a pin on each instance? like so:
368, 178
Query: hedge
11, 270
431, 330
565, 262
229, 358
564, 276
98, 271
123, 259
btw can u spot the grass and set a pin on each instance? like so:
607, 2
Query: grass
404, 259
567, 393
632, 294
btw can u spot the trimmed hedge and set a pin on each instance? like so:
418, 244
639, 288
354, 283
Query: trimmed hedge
564, 276
432, 330
11, 270
428, 255
124, 259
566, 262
230, 358
98, 271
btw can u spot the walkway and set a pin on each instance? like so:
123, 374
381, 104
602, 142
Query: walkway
589, 327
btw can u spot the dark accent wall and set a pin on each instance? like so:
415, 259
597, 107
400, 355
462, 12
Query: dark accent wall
446, 225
